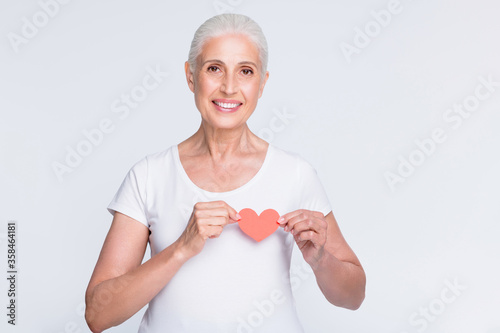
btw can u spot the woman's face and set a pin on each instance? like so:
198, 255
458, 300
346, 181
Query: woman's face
227, 81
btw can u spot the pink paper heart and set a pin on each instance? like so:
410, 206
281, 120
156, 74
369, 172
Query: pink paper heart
260, 226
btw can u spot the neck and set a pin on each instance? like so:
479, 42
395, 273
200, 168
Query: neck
222, 144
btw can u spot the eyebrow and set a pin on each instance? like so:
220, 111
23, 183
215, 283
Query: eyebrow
222, 62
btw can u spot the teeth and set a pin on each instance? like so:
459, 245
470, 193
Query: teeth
227, 105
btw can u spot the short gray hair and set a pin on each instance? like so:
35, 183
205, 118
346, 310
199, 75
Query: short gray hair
226, 24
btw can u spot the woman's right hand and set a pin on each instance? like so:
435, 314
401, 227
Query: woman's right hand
207, 220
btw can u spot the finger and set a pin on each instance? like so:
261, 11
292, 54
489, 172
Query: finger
311, 218
209, 204
309, 235
298, 217
229, 211
233, 215
212, 231
318, 214
283, 220
306, 225
211, 212
207, 214
314, 223
219, 221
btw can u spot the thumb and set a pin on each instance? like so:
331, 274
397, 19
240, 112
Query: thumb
234, 216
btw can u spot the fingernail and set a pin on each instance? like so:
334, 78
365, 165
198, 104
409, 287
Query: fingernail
281, 219
238, 216
286, 228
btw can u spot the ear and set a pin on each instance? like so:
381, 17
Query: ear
189, 76
263, 83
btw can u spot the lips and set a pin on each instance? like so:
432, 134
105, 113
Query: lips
227, 105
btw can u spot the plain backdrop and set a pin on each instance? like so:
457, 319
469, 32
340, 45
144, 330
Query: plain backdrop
365, 87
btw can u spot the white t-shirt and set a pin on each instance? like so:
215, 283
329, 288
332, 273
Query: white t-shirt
235, 284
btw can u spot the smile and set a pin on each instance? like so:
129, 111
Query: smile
227, 106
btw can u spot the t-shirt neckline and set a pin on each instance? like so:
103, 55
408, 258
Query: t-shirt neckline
188, 180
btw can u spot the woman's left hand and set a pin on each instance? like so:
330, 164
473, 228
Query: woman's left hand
309, 228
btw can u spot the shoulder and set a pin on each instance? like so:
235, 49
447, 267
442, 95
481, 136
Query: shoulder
290, 158
162, 156
154, 160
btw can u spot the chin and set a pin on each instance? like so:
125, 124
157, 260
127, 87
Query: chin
224, 124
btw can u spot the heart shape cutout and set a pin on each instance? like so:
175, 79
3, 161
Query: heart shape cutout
260, 226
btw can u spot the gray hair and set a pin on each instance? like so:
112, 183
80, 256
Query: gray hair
225, 24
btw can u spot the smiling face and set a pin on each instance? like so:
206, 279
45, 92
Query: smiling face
227, 81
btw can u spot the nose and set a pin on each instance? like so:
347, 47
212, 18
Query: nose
229, 84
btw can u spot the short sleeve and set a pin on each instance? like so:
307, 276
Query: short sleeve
312, 194
130, 199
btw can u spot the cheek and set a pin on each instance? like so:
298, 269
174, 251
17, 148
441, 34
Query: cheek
204, 86
252, 90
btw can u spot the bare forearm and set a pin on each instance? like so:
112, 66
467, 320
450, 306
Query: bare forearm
113, 301
342, 283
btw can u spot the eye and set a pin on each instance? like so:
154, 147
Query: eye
247, 71
213, 69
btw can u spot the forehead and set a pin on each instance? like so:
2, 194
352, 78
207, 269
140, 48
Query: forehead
230, 49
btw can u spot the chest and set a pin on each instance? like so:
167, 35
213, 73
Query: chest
222, 177
221, 180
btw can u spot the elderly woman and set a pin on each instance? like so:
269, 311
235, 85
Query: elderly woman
208, 272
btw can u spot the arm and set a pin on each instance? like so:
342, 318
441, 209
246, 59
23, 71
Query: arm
120, 286
338, 271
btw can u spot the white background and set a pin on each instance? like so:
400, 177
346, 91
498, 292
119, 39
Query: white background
355, 118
